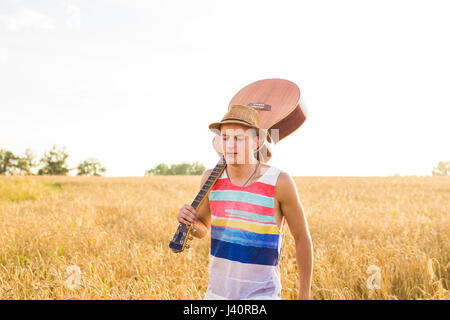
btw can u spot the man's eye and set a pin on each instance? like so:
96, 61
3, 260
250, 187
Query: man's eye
238, 139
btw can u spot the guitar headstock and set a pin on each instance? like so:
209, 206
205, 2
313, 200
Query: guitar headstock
181, 237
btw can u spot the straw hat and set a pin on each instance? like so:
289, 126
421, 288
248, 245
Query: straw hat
244, 115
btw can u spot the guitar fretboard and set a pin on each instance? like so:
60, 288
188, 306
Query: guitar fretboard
218, 169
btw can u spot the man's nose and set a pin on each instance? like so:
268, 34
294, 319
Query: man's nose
230, 142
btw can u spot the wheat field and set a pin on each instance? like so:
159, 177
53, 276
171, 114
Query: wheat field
64, 237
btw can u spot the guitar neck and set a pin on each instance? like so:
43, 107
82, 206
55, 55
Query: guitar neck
181, 235
215, 174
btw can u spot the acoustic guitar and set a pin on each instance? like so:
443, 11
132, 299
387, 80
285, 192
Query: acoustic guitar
280, 110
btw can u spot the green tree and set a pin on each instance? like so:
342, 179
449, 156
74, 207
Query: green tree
160, 169
26, 163
54, 162
8, 162
442, 169
184, 168
197, 168
181, 168
90, 167
11, 164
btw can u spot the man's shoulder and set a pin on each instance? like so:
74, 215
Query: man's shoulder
285, 183
284, 177
205, 175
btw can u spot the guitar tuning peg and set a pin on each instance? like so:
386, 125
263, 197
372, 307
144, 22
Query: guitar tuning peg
191, 238
194, 230
188, 246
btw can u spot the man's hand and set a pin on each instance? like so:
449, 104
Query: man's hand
187, 215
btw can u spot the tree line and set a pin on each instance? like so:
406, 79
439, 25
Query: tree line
53, 162
442, 169
185, 168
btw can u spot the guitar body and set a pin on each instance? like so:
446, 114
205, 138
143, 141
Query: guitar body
277, 102
280, 111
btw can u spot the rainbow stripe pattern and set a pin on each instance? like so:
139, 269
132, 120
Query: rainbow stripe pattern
243, 226
246, 242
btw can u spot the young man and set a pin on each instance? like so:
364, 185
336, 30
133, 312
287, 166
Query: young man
246, 210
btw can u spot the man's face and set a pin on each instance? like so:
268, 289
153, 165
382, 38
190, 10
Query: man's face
238, 143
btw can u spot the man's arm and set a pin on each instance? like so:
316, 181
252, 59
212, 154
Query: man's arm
292, 209
200, 218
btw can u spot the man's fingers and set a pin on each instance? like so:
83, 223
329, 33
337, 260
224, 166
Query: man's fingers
190, 209
188, 216
184, 219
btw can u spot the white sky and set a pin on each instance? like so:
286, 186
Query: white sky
136, 83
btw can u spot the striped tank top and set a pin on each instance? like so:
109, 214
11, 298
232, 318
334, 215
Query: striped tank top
246, 242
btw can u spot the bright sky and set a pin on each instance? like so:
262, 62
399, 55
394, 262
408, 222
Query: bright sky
136, 83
